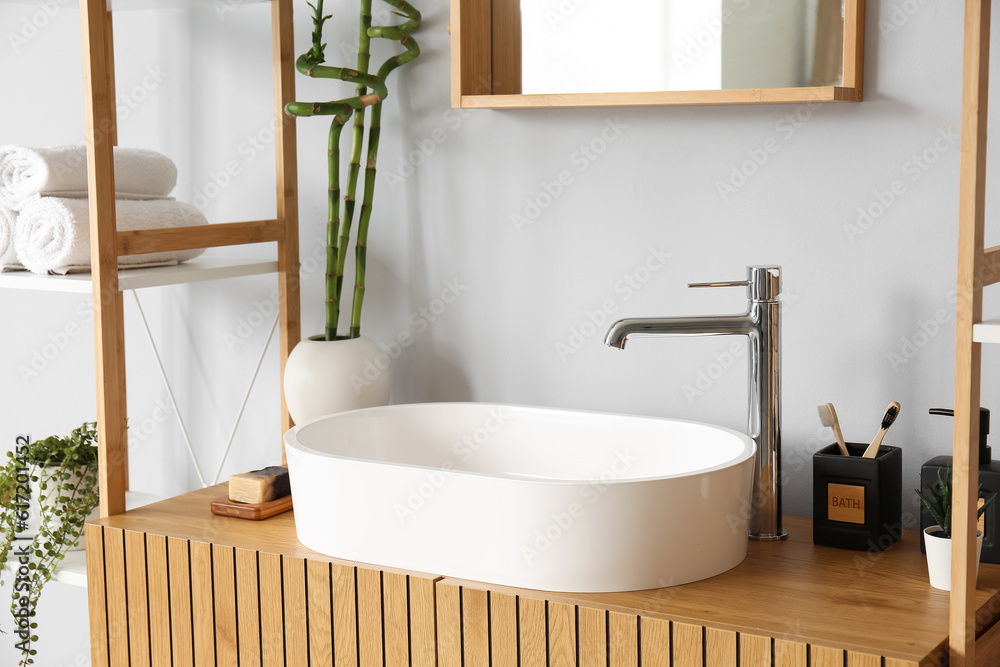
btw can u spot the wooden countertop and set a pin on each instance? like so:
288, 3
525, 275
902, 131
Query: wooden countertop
870, 603
874, 603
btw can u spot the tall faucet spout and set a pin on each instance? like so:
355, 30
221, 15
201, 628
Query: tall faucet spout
761, 324
722, 325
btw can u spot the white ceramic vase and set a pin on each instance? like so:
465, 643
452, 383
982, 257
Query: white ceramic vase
323, 377
939, 557
35, 507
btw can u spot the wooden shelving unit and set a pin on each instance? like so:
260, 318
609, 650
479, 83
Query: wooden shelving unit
108, 244
106, 283
971, 643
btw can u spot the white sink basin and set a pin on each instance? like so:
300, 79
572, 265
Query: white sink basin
536, 498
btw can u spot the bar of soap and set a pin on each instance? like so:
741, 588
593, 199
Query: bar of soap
259, 486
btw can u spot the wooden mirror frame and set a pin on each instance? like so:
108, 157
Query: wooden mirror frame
476, 25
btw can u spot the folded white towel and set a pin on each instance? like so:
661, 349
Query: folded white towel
53, 235
29, 173
8, 259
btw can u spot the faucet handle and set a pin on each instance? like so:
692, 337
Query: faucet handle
728, 283
764, 283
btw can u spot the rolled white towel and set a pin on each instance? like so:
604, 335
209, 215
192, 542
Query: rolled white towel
8, 258
53, 234
29, 173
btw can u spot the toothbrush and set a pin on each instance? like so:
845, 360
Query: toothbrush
828, 416
888, 418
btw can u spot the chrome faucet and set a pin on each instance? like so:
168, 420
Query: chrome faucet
762, 326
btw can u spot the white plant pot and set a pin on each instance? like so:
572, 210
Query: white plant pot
939, 557
35, 508
323, 377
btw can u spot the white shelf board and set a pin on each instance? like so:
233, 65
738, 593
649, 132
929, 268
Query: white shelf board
73, 568
987, 331
128, 5
196, 270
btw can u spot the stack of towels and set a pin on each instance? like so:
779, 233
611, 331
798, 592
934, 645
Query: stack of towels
45, 214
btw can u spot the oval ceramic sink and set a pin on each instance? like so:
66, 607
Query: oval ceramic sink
536, 498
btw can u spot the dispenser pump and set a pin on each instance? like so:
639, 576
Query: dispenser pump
985, 455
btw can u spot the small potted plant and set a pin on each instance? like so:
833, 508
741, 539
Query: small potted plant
937, 539
341, 369
48, 489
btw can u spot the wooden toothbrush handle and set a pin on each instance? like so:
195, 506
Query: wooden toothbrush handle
872, 450
840, 439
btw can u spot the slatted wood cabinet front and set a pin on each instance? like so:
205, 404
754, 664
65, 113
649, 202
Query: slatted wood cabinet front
481, 627
157, 600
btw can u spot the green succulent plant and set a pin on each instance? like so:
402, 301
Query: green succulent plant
937, 500
65, 471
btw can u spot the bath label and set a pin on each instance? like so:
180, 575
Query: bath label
846, 503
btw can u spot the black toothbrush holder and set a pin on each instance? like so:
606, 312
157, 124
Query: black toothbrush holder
857, 502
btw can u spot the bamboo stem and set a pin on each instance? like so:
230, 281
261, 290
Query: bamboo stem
357, 137
339, 226
310, 68
401, 34
361, 247
340, 108
358, 132
332, 225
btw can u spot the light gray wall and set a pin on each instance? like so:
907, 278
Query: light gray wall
862, 298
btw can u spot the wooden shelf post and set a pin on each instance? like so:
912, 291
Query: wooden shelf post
972, 202
109, 310
283, 36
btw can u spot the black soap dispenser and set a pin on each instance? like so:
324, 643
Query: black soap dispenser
989, 477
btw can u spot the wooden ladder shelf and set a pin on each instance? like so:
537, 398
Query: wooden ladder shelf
977, 268
108, 244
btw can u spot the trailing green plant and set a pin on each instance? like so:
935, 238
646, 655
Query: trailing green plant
340, 220
937, 500
64, 471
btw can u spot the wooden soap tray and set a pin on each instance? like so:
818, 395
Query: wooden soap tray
255, 512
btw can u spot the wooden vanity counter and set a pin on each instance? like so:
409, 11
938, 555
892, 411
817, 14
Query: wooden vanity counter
171, 579
840, 607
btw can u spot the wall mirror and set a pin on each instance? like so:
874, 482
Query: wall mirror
541, 53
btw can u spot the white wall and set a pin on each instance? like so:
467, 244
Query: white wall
854, 298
